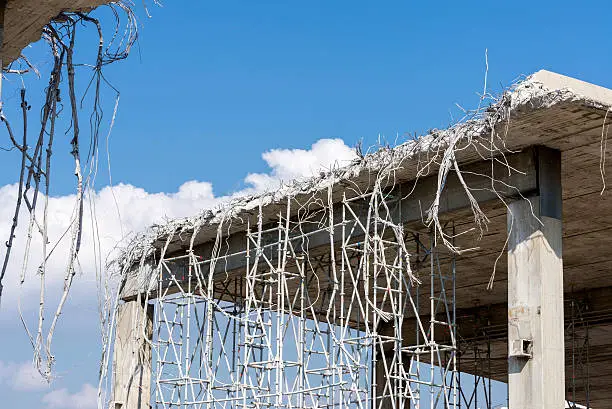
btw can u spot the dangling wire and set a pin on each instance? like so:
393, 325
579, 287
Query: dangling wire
35, 172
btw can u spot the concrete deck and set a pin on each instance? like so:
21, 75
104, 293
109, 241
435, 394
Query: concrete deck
25, 19
548, 110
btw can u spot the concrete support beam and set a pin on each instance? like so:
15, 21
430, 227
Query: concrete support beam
132, 356
535, 293
476, 176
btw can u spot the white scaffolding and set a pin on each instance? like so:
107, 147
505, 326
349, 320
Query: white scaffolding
368, 322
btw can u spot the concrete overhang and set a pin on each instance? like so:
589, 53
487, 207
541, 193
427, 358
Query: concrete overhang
25, 19
545, 109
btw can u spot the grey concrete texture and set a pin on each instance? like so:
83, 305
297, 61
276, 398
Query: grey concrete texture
25, 19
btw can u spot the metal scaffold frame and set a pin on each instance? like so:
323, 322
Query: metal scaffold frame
476, 391
577, 329
354, 326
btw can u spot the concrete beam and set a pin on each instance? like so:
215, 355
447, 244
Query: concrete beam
536, 369
477, 324
25, 20
405, 210
132, 356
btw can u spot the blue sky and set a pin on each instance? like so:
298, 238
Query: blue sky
211, 86
217, 83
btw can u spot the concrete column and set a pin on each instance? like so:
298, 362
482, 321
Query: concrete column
132, 356
385, 398
535, 293
381, 379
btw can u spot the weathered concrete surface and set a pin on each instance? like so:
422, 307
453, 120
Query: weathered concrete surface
535, 293
453, 199
132, 356
25, 19
549, 110
535, 310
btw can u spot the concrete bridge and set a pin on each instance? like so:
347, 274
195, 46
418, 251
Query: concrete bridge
479, 249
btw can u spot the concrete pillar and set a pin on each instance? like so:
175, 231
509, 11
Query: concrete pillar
380, 378
385, 398
132, 356
535, 293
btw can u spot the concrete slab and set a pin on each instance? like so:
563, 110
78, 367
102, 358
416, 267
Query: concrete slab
548, 110
25, 19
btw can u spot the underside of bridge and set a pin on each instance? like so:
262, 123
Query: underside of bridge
23, 21
480, 250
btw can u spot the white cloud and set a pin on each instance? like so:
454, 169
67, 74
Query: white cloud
288, 164
138, 209
21, 377
86, 398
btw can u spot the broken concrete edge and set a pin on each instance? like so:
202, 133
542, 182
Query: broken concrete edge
25, 20
541, 90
